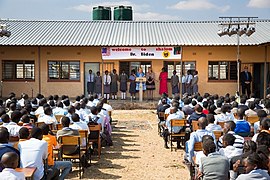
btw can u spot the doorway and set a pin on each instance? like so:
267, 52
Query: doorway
258, 79
87, 67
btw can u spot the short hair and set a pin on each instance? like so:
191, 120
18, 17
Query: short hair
75, 117
25, 119
48, 110
94, 110
45, 129
202, 122
249, 146
193, 103
10, 160
205, 104
251, 105
199, 98
263, 139
219, 103
65, 121
59, 104
265, 124
229, 138
24, 133
36, 132
5, 118
186, 101
261, 113
255, 159
2, 111
210, 118
16, 116
207, 137
198, 108
4, 135
12, 106
240, 112
209, 146
231, 125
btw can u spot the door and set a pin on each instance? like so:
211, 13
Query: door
258, 79
87, 66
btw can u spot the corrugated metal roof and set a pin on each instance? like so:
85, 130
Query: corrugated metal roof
126, 33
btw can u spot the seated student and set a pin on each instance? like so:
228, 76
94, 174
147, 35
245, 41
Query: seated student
263, 139
90, 101
261, 114
67, 131
205, 106
237, 162
197, 137
48, 117
197, 114
242, 104
229, 127
12, 108
10, 162
214, 166
40, 109
30, 112
242, 126
84, 112
255, 169
26, 122
267, 106
175, 129
59, 110
64, 166
33, 152
13, 127
225, 114
200, 154
71, 110
23, 136
264, 126
218, 106
228, 149
162, 107
211, 125
234, 107
251, 111
4, 146
186, 108
212, 109
78, 124
5, 119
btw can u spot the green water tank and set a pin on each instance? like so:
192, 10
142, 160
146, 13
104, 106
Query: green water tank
123, 13
102, 13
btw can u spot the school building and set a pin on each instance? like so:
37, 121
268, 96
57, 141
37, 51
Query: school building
53, 57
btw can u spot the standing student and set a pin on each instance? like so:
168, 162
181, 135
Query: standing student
132, 85
194, 82
175, 83
123, 78
106, 83
114, 85
183, 81
163, 76
245, 78
98, 85
90, 82
150, 83
188, 82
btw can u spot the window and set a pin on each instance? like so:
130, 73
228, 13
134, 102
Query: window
64, 70
18, 70
128, 66
172, 65
222, 70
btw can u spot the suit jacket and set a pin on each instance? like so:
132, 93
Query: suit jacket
243, 77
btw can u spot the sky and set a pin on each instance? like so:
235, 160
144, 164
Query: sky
149, 10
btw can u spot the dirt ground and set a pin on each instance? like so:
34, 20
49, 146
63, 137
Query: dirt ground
138, 151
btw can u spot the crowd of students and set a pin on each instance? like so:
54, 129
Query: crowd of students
35, 145
242, 152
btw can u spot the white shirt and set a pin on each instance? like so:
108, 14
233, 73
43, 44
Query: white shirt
107, 79
175, 129
213, 127
224, 117
90, 77
11, 174
47, 119
32, 153
107, 107
13, 129
39, 110
230, 152
80, 126
59, 111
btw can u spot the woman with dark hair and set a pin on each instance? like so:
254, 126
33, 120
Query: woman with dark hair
163, 76
255, 168
150, 83
132, 85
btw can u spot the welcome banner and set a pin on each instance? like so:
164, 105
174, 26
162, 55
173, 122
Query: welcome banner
109, 53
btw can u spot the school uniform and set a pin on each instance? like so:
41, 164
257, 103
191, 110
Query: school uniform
175, 84
106, 83
98, 85
90, 83
123, 78
114, 85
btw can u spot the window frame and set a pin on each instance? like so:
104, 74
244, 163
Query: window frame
59, 79
229, 71
14, 70
144, 63
175, 63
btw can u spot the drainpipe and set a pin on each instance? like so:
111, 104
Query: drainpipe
39, 71
265, 72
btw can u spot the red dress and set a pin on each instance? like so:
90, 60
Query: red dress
163, 88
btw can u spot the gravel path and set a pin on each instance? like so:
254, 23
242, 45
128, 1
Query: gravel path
138, 151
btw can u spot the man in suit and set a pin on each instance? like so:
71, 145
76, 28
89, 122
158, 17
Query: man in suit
245, 78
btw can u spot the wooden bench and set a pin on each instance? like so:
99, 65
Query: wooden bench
28, 172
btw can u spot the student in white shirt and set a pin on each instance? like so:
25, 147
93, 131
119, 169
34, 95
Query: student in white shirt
211, 125
33, 152
59, 110
10, 162
13, 127
228, 149
48, 117
78, 124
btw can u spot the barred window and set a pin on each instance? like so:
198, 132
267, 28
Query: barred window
170, 66
222, 70
18, 70
64, 70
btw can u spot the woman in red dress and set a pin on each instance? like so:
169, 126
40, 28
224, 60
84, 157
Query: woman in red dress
163, 76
